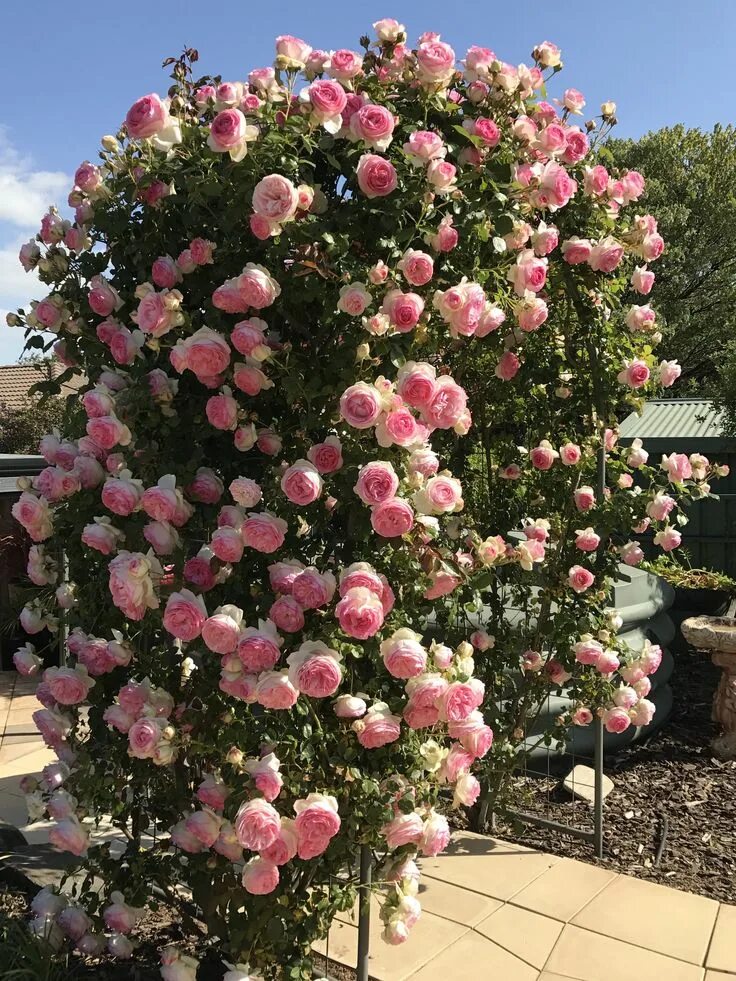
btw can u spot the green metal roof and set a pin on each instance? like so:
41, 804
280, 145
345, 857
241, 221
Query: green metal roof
677, 425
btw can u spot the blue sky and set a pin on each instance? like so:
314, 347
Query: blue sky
78, 67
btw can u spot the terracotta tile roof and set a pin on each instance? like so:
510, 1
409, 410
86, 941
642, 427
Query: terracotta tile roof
16, 379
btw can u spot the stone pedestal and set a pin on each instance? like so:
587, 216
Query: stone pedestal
718, 635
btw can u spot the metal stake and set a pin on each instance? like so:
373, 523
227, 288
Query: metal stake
364, 912
598, 790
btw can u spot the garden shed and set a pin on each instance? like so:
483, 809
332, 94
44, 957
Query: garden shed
694, 426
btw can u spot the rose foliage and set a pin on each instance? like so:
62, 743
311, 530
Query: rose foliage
308, 305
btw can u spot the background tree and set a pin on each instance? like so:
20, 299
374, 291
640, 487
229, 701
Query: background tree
690, 179
21, 428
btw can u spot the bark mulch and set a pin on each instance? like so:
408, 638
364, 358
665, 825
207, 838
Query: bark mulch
670, 794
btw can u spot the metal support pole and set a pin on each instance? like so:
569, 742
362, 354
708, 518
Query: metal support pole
598, 790
364, 912
598, 762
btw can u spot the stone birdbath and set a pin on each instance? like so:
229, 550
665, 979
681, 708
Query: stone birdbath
718, 635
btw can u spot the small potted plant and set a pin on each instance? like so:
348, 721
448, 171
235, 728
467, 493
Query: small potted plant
696, 590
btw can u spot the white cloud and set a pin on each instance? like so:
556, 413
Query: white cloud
25, 195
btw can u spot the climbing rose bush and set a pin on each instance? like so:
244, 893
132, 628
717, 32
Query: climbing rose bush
293, 298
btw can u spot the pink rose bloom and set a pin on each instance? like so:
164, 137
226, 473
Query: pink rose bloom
360, 405
424, 146
257, 824
405, 829
101, 536
284, 848
669, 372
529, 272
445, 238
354, 298
579, 578
313, 589
542, 457
606, 255
259, 648
460, 699
314, 669
403, 309
435, 62
275, 198
206, 486
441, 174
403, 654
442, 584
398, 427
584, 498
587, 540
122, 495
260, 877
207, 353
205, 826
221, 631
376, 176
316, 823
69, 686
227, 544
274, 689
360, 613
349, 707
677, 466
248, 338
377, 483
301, 483
69, 836
448, 405
660, 506
642, 280
570, 454
282, 575
392, 518
373, 125
256, 287
264, 532
108, 431
292, 51
436, 835
200, 251
327, 456
228, 131
146, 117
185, 615
473, 734
440, 495
213, 792
417, 267
222, 411
120, 917
616, 719
642, 713
378, 727
287, 614
416, 384
143, 737
576, 250
328, 100
165, 273
635, 373
668, 538
244, 491
508, 366
531, 313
